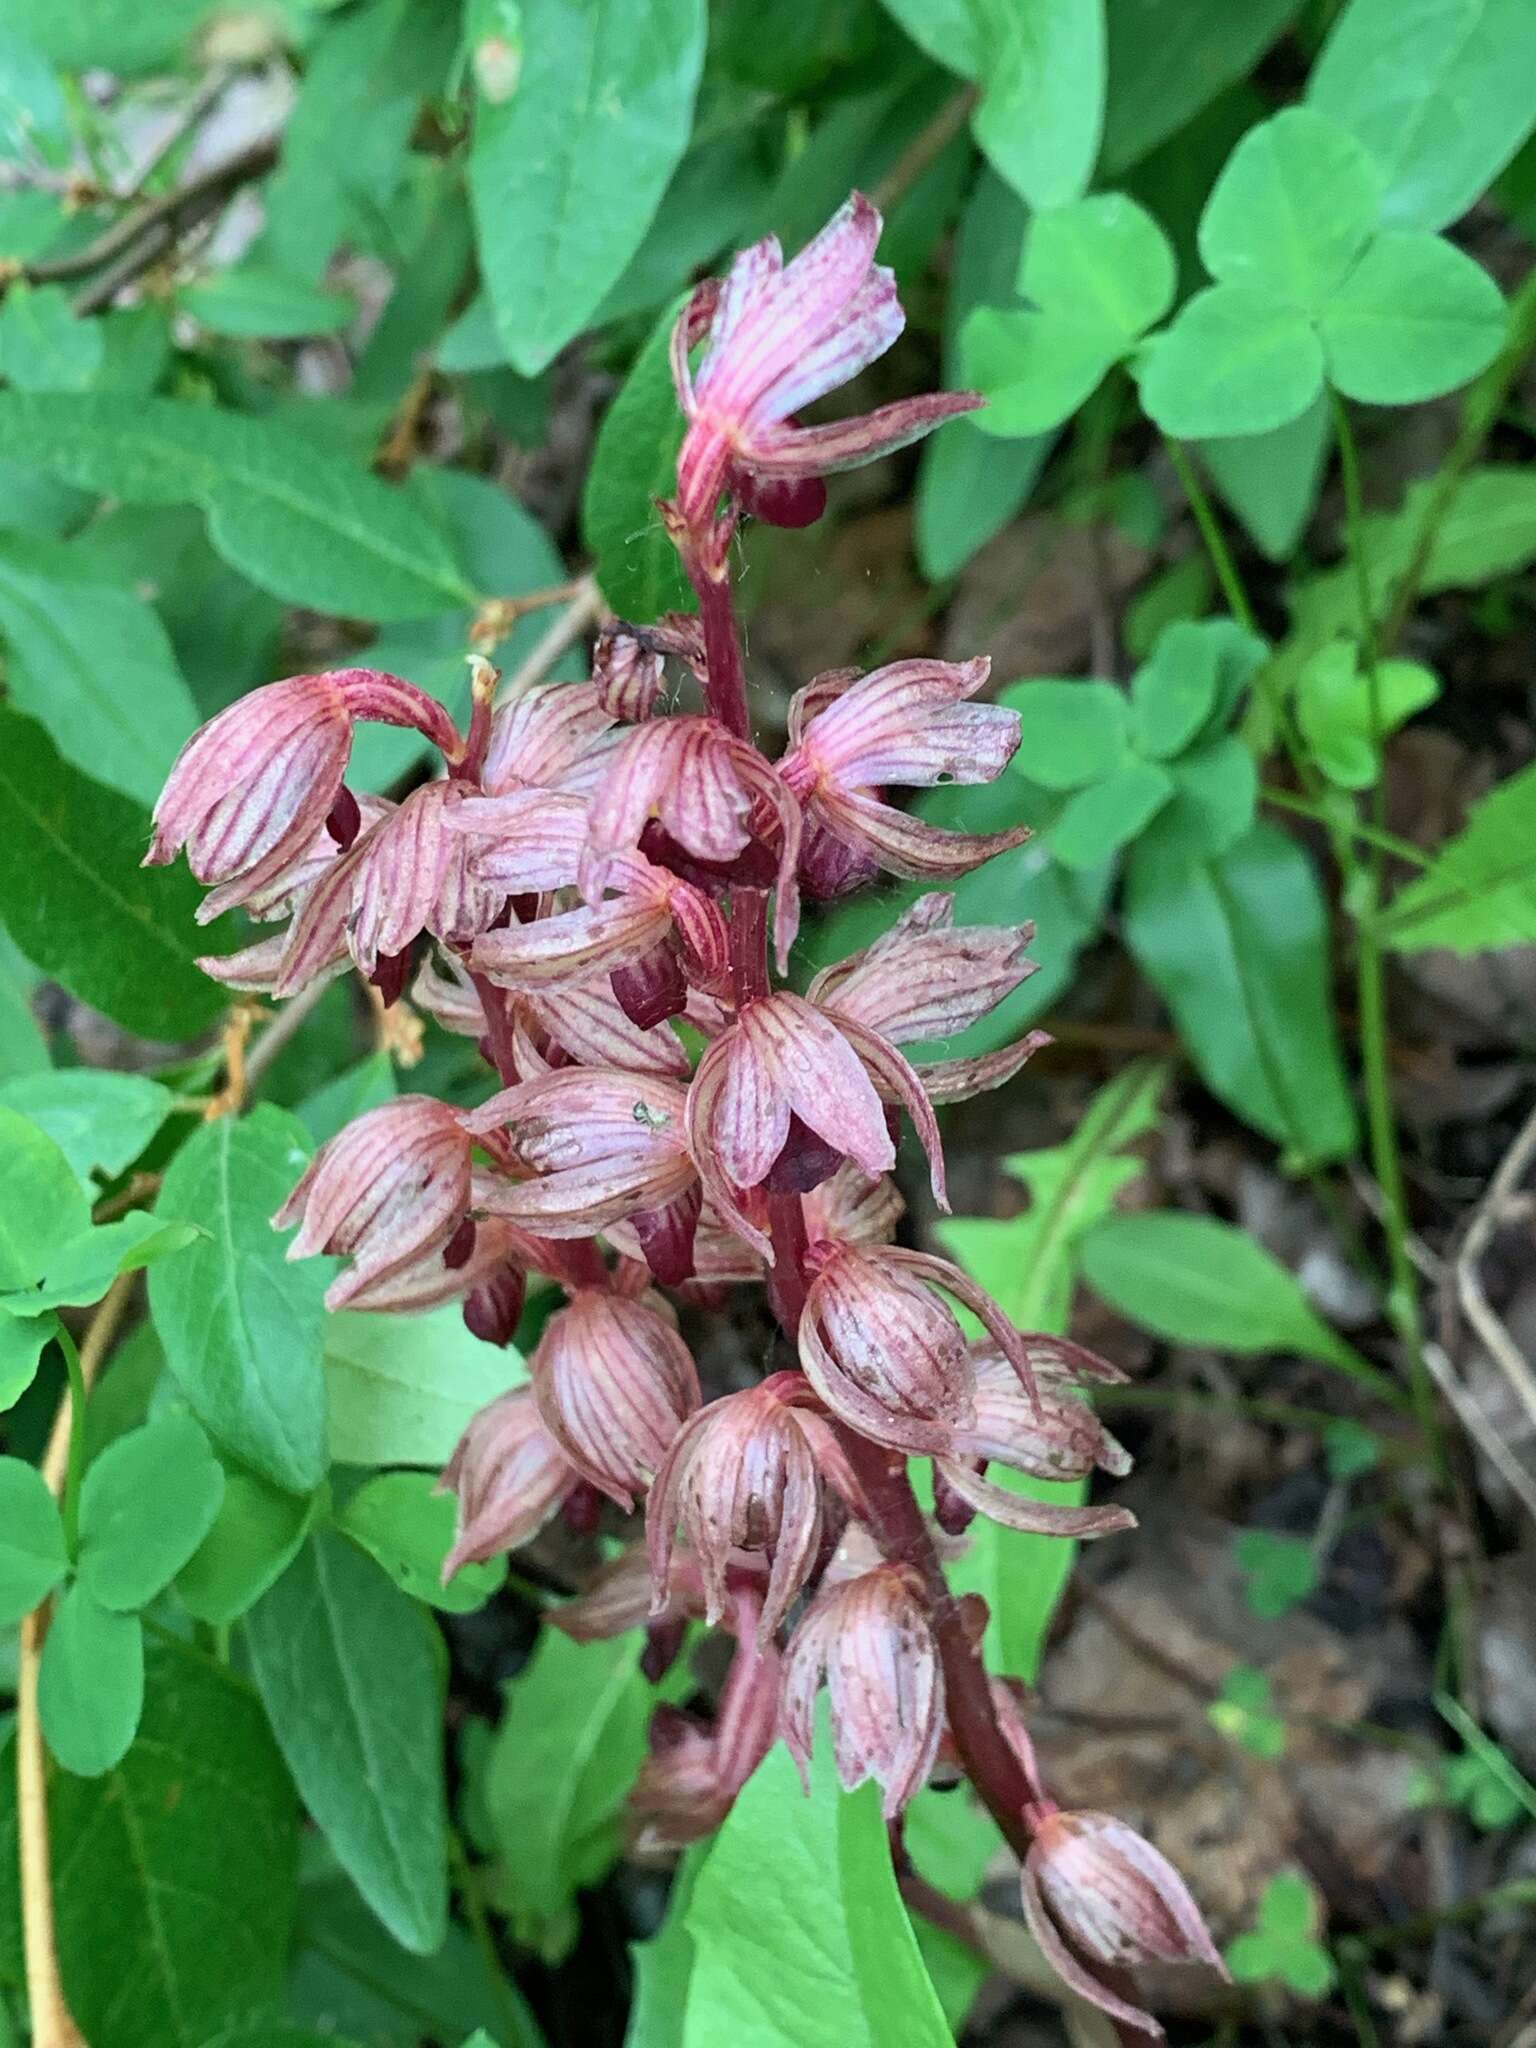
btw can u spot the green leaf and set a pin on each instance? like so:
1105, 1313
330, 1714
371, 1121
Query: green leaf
23, 1341
1237, 944
348, 1670
1215, 796
1407, 82
1035, 369
1292, 209
1042, 100
406, 1524
176, 1890
1272, 480
633, 464
1237, 360
1334, 709
241, 1326
582, 115
1480, 891
403, 1388
253, 1538
23, 1048
76, 901
1173, 693
147, 1503
256, 302
1073, 733
950, 31
1415, 318
1194, 1280
100, 1121
1281, 1571
1165, 64
799, 1893
41, 1205
44, 345
32, 1555
968, 488
81, 1271
560, 1768
299, 521
366, 1086
1109, 814
1245, 1713
90, 1687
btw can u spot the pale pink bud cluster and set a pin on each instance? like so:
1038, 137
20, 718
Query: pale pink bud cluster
602, 888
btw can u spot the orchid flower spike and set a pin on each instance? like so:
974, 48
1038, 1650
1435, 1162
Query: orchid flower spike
389, 1190
508, 1476
779, 337
1097, 1896
872, 1639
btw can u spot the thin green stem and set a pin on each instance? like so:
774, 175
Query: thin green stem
513, 2019
1353, 828
74, 1475
1363, 893
1210, 532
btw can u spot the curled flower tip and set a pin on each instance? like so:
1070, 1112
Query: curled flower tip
885, 1350
388, 1191
783, 1077
508, 1476
628, 669
913, 724
1049, 1433
871, 1637
746, 1475
614, 1383
1097, 1896
779, 337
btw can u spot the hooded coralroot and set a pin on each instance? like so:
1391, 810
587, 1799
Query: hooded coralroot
871, 1637
509, 1477
388, 1192
747, 1474
1097, 1896
614, 1383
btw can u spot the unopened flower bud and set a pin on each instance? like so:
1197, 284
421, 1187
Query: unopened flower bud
1096, 1894
871, 1637
627, 672
509, 1476
614, 1383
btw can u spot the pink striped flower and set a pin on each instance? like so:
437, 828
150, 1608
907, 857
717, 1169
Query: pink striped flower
786, 1094
713, 795
885, 1351
614, 1383
871, 1638
581, 1025
509, 1477
1098, 1896
912, 723
555, 736
1051, 1433
251, 789
746, 1475
387, 1191
779, 337
924, 980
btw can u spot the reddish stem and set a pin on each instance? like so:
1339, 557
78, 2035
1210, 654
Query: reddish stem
498, 1028
726, 690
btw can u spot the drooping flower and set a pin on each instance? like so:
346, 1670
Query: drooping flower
711, 793
690, 1779
509, 1477
1052, 1434
629, 662
885, 1351
747, 1474
387, 1191
251, 789
926, 979
614, 1383
912, 723
1096, 1896
584, 1025
783, 1076
596, 1146
555, 736
872, 1639
779, 337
